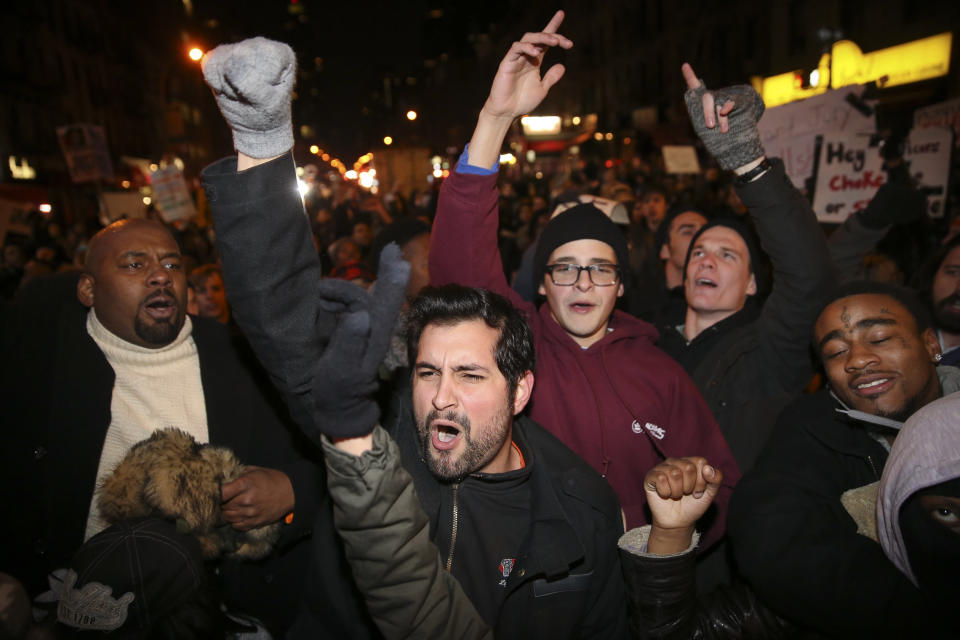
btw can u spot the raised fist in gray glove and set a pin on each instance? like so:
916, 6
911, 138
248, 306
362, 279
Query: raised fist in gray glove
253, 83
346, 376
725, 120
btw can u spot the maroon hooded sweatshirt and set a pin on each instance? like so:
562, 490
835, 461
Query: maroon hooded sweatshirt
622, 404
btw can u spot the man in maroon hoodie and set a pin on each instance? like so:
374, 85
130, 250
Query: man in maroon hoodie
603, 387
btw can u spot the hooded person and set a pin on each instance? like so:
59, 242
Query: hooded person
918, 509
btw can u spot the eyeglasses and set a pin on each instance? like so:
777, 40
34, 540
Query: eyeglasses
565, 274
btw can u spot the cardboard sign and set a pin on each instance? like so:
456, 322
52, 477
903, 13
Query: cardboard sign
171, 195
680, 159
928, 153
942, 114
121, 204
84, 147
849, 174
790, 131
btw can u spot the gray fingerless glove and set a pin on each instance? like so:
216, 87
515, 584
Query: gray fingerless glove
741, 144
253, 81
346, 376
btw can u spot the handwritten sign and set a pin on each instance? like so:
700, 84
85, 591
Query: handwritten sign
942, 114
850, 172
928, 153
790, 131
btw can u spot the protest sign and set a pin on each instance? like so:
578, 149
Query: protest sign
171, 195
680, 159
790, 131
927, 152
85, 148
121, 204
851, 170
942, 114
849, 174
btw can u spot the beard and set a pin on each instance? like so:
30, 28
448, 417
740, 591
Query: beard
947, 315
908, 409
474, 454
159, 332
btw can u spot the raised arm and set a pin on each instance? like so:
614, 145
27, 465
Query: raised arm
463, 246
726, 120
517, 89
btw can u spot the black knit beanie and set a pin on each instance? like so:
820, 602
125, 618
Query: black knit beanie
758, 260
580, 222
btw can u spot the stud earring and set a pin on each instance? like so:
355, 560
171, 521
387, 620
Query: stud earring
938, 357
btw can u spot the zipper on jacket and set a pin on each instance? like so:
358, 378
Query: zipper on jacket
872, 466
453, 534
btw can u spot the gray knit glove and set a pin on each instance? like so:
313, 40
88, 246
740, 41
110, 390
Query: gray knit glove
741, 144
346, 376
253, 83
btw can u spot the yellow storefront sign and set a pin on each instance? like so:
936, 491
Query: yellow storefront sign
847, 65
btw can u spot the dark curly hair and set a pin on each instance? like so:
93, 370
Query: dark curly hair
452, 304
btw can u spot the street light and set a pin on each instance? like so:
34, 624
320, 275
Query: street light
411, 115
195, 53
387, 140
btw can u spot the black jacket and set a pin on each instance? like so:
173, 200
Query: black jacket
56, 393
755, 368
566, 582
665, 605
796, 544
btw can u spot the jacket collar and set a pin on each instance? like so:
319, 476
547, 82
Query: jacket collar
949, 383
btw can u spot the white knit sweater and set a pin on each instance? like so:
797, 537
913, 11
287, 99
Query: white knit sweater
154, 388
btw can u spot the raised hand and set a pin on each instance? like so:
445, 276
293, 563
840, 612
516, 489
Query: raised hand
679, 490
253, 81
518, 87
345, 376
735, 143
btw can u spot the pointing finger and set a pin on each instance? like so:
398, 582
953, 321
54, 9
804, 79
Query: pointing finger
688, 74
554, 23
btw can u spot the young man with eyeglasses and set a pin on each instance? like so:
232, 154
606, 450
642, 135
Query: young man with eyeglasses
602, 386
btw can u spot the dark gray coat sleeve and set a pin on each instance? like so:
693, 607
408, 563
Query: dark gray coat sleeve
803, 277
271, 270
387, 542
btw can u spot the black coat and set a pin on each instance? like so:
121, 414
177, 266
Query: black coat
56, 394
796, 544
566, 582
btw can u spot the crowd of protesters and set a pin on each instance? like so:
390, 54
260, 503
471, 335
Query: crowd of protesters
605, 402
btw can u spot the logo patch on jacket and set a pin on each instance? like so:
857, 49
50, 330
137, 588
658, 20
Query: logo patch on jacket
653, 429
506, 566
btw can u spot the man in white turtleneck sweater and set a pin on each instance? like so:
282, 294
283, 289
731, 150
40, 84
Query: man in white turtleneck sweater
80, 387
144, 333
